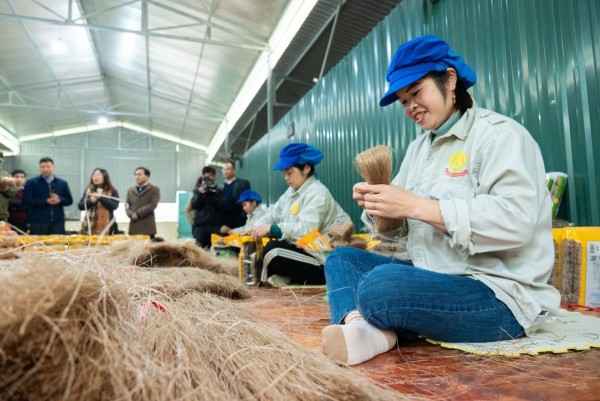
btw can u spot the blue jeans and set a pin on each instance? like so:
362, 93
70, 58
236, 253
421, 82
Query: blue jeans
394, 295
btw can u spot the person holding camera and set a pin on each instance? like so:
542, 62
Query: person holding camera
207, 204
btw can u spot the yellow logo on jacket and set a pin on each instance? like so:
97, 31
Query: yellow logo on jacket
294, 209
456, 167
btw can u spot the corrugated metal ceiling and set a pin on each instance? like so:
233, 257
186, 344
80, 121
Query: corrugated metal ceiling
170, 67
314, 49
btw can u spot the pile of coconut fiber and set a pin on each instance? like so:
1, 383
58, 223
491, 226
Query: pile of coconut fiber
82, 327
183, 253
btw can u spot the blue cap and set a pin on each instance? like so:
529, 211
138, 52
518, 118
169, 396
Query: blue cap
250, 195
420, 56
298, 153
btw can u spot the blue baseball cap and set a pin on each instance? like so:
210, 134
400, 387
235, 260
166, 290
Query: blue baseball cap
420, 56
250, 195
298, 153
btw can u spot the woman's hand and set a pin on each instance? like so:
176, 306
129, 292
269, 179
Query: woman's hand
394, 202
258, 232
358, 193
388, 201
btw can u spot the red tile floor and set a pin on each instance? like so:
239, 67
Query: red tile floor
437, 373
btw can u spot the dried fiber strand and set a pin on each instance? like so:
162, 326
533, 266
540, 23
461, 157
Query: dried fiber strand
375, 166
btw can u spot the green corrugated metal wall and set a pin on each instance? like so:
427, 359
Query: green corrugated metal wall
537, 61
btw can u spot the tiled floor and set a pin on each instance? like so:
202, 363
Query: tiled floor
438, 373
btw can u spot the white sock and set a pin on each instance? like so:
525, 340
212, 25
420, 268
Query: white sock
356, 341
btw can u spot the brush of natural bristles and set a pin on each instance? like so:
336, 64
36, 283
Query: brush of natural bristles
375, 166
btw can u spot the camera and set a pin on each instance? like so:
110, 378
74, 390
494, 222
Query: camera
208, 185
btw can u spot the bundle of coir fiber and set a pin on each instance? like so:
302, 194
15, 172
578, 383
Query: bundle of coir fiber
180, 281
570, 272
375, 166
340, 234
182, 253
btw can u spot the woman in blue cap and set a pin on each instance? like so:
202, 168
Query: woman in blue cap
306, 205
472, 190
250, 201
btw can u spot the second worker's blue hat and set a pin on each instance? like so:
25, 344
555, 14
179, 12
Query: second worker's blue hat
298, 153
250, 195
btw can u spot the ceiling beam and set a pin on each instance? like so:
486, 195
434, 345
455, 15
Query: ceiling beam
98, 111
280, 79
210, 21
21, 92
102, 28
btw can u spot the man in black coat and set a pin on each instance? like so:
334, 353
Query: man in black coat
233, 214
46, 196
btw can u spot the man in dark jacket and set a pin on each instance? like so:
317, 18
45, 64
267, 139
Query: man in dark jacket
46, 195
233, 213
207, 204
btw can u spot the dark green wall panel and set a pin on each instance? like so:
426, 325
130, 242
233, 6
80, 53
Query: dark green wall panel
537, 61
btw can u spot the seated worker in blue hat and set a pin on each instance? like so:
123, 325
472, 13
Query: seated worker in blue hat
472, 190
306, 205
250, 201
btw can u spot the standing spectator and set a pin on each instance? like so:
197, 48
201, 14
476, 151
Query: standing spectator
100, 200
46, 195
142, 200
207, 205
8, 190
16, 209
233, 213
